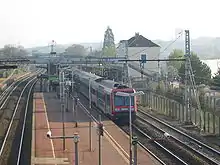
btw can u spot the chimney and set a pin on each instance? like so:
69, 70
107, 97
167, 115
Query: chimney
136, 38
136, 35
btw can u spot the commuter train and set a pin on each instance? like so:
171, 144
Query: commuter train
103, 95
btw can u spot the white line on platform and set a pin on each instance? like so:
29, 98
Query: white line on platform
48, 125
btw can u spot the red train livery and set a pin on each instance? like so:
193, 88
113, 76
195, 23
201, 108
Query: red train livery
103, 95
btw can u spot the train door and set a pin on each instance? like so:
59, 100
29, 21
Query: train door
104, 98
93, 95
96, 101
108, 103
101, 98
112, 107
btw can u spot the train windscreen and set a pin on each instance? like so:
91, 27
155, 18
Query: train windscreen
123, 100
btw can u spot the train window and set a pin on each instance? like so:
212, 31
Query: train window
108, 99
127, 100
119, 101
101, 92
122, 100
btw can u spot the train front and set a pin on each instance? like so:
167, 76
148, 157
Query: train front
122, 103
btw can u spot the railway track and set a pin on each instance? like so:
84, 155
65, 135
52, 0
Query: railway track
8, 90
188, 148
154, 147
95, 116
161, 147
13, 112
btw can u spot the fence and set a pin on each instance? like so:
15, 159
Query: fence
208, 119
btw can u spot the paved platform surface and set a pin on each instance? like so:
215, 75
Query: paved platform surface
122, 139
47, 116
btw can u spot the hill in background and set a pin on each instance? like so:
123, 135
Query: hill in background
205, 47
61, 48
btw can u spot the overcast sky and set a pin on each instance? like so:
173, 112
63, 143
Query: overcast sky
37, 22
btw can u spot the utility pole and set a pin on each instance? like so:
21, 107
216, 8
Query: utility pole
190, 84
142, 69
52, 52
187, 75
143, 57
100, 133
76, 139
67, 93
90, 118
60, 82
75, 109
72, 82
134, 143
63, 110
125, 72
193, 87
61, 79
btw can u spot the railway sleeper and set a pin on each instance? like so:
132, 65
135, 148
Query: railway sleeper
171, 145
8, 114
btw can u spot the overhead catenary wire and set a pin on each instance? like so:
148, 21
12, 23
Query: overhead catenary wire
137, 53
198, 77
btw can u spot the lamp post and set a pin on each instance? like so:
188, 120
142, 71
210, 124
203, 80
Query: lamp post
72, 82
76, 99
63, 86
62, 107
75, 138
67, 85
130, 121
90, 120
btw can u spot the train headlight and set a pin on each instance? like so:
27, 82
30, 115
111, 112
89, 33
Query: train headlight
117, 109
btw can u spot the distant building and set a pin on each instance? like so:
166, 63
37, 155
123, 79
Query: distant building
138, 45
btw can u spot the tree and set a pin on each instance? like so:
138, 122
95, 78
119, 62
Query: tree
76, 50
96, 53
109, 52
215, 83
12, 51
109, 49
176, 54
202, 72
172, 72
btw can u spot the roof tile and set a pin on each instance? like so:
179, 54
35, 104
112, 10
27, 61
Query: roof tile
140, 41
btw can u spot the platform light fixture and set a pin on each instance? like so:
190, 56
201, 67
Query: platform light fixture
130, 123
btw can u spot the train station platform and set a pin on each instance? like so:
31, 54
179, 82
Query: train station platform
121, 141
47, 116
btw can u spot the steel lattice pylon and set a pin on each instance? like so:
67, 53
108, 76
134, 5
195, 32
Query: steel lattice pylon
187, 74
